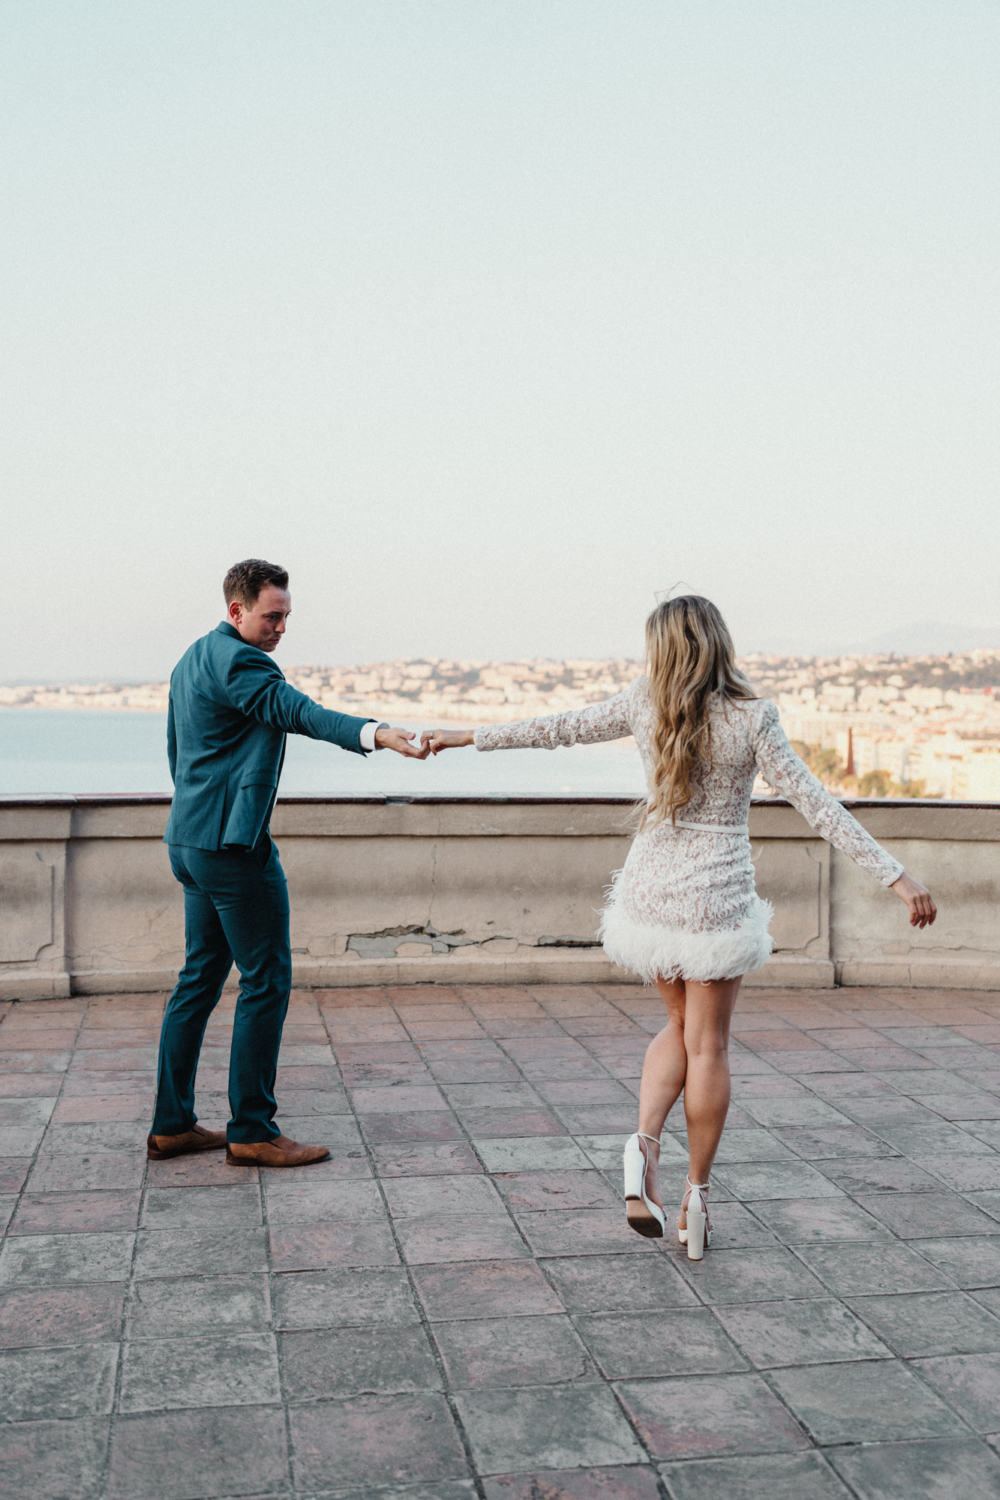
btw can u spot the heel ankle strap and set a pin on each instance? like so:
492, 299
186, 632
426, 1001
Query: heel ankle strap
654, 1138
704, 1186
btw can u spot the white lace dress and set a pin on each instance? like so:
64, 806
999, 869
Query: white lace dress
684, 904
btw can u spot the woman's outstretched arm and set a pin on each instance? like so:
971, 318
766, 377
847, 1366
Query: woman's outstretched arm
783, 770
609, 720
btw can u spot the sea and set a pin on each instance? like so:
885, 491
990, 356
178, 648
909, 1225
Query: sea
105, 750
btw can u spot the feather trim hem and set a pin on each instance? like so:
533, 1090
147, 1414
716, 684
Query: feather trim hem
662, 952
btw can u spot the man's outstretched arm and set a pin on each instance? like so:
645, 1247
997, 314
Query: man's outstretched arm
255, 686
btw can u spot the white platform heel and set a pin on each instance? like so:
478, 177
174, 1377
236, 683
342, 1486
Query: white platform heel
697, 1235
644, 1216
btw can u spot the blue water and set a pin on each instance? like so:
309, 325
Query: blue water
69, 750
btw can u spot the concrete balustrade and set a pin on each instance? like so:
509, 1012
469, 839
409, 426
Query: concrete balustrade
466, 890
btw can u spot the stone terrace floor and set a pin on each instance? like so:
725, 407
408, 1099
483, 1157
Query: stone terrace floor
453, 1307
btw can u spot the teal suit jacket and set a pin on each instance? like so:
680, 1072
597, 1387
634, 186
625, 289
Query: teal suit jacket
230, 709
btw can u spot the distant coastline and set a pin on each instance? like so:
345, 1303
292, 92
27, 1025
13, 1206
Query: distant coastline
878, 724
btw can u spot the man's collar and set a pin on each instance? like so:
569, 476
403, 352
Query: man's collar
224, 628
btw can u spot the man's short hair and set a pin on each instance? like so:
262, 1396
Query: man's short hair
245, 580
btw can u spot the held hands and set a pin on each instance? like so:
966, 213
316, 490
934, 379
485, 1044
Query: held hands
399, 740
918, 898
436, 740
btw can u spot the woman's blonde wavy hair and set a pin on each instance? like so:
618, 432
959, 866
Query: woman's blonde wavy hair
689, 656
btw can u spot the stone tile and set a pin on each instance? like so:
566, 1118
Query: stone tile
717, 1415
774, 1476
879, 1401
34, 1062
568, 1093
426, 1159
874, 1113
825, 1142
968, 1382
162, 1309
506, 1154
792, 1333
753, 1181
962, 1106
584, 1232
927, 1215
27, 1085
77, 1213
751, 1145
314, 1199
506, 1352
738, 1276
479, 1289
115, 1059
201, 1208
517, 1095
181, 1455
435, 1240
343, 1362
426, 1125
30, 1110
235, 1369
968, 1262
513, 1431
632, 1483
87, 1170
401, 1099
493, 1069
60, 1460
807, 1221
307, 1247
689, 1342
837, 1086
84, 1085
856, 1270
989, 1202
303, 1102
375, 1440
582, 1065
538, 1191
208, 1169
931, 1323
343, 1298
60, 1315
918, 1471
185, 1252
884, 1175
48, 1259
934, 1139
443, 1197
966, 1174
47, 1384
618, 1283
504, 1124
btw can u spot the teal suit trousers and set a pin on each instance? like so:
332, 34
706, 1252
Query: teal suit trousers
235, 908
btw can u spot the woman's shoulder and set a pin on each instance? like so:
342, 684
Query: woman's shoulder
756, 712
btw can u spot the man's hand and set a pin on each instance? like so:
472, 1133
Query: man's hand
918, 898
399, 740
436, 740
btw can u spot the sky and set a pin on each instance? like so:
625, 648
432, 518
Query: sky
490, 321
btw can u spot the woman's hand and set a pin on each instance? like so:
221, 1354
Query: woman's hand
918, 898
436, 740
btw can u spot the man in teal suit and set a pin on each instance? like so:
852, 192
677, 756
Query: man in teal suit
230, 710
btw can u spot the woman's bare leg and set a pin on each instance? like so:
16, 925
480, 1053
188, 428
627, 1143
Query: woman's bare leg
707, 1013
663, 1072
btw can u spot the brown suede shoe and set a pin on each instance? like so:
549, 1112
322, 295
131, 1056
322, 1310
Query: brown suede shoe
281, 1152
160, 1147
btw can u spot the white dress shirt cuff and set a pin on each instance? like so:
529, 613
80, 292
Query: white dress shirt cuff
368, 733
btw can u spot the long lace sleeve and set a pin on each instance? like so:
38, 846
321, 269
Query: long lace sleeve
609, 720
783, 770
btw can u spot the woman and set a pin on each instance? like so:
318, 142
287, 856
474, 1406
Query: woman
683, 912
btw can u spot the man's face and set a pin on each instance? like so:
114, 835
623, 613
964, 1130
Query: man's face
263, 624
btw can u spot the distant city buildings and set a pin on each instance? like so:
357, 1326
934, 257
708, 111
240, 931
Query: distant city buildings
869, 725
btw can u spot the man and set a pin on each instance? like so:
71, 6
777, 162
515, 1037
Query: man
230, 709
